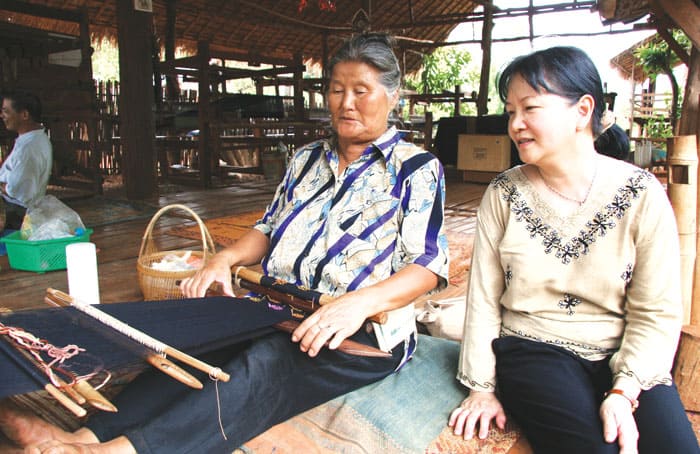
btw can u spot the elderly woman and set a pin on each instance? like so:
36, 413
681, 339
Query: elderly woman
574, 310
360, 217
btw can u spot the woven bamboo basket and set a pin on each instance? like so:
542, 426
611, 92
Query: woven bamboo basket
160, 284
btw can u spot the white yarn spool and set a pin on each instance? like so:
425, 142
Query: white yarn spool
81, 263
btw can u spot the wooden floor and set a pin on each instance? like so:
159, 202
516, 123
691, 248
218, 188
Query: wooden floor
118, 243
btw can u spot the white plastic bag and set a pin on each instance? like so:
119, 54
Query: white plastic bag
49, 218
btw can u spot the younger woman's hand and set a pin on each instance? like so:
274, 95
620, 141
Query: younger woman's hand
479, 407
619, 423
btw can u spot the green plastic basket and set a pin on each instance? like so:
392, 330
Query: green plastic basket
39, 256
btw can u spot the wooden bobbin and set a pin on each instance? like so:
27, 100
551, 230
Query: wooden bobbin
682, 192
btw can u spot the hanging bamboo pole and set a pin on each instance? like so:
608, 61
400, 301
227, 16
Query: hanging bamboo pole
682, 191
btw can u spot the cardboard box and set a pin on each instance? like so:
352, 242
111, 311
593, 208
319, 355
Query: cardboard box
485, 153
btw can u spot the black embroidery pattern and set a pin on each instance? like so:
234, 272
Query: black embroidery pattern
582, 350
508, 275
569, 303
627, 274
475, 384
602, 222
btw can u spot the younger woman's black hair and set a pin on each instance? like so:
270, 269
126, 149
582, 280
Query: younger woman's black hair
562, 70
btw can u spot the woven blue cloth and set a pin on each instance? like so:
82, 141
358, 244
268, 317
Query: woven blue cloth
194, 325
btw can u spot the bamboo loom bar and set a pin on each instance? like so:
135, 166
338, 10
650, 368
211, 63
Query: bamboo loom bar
154, 359
139, 336
348, 346
243, 275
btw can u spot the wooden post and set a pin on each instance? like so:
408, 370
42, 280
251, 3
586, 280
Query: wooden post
682, 192
690, 124
135, 34
204, 110
687, 368
686, 372
324, 66
298, 99
172, 88
483, 97
428, 131
86, 68
458, 100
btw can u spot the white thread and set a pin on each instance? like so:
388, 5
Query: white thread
218, 408
120, 326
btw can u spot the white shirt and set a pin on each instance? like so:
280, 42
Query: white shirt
26, 171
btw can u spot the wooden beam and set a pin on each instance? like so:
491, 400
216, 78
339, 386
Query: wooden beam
459, 18
663, 24
685, 14
436, 44
135, 35
673, 44
241, 73
249, 57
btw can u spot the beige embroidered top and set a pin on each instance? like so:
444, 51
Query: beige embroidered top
602, 281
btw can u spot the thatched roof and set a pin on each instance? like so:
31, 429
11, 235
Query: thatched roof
627, 64
623, 10
272, 28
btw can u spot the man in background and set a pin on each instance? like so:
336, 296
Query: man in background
25, 173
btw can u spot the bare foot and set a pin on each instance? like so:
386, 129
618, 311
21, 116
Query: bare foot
57, 447
24, 428
119, 445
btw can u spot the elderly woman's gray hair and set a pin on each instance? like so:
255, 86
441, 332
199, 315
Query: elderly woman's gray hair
374, 49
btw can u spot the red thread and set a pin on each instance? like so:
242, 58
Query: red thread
34, 346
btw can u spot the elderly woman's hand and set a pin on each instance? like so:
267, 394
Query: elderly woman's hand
217, 270
479, 407
332, 322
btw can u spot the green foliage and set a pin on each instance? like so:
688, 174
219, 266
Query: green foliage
441, 71
659, 127
657, 58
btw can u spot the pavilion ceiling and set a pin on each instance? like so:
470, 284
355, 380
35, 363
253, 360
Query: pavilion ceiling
278, 29
274, 28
